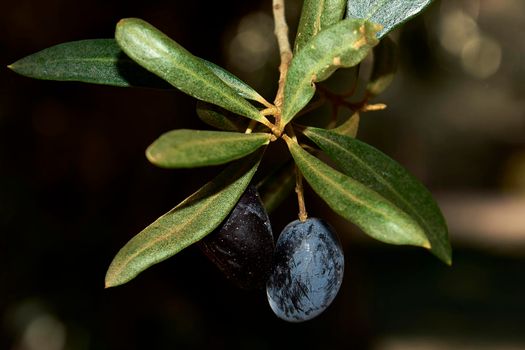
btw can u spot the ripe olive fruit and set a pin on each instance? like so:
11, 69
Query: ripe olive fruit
242, 247
308, 270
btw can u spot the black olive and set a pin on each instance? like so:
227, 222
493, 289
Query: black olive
242, 247
308, 270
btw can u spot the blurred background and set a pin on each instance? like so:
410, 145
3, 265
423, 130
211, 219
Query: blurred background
75, 187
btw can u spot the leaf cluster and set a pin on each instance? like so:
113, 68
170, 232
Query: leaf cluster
365, 187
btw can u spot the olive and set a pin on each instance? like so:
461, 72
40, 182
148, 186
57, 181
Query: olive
242, 247
308, 270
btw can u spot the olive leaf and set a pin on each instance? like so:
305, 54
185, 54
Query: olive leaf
220, 118
374, 214
275, 187
382, 174
162, 56
315, 16
98, 61
349, 127
384, 68
344, 44
388, 13
187, 223
184, 148
235, 83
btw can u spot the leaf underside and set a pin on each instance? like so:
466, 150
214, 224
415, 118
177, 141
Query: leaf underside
375, 215
187, 223
388, 178
388, 13
184, 148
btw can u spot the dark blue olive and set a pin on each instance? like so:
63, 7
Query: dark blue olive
242, 247
308, 270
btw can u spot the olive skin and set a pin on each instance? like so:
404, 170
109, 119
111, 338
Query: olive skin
308, 270
242, 247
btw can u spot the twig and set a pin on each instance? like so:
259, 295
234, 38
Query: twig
299, 189
285, 51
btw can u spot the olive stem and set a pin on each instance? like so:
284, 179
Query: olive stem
299, 189
285, 51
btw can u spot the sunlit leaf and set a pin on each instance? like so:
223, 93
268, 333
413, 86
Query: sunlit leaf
388, 13
235, 83
162, 56
185, 224
349, 127
384, 68
193, 148
98, 61
344, 44
375, 215
317, 15
277, 186
382, 174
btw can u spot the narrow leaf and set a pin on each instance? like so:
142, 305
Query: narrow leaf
375, 215
98, 61
235, 83
344, 44
384, 68
162, 56
388, 13
349, 127
220, 118
277, 186
382, 174
317, 15
193, 148
185, 224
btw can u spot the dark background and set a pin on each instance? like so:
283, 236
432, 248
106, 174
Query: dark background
75, 186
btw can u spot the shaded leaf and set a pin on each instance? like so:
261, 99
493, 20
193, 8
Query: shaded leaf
220, 118
162, 56
317, 15
235, 83
384, 68
98, 61
274, 188
188, 222
344, 44
375, 215
193, 148
382, 174
388, 13
349, 127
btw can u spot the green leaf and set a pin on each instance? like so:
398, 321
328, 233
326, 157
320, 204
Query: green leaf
317, 15
388, 13
98, 61
349, 127
375, 215
235, 83
162, 56
277, 186
193, 148
344, 44
187, 223
384, 69
382, 174
220, 118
